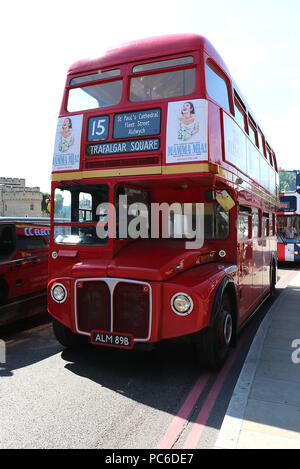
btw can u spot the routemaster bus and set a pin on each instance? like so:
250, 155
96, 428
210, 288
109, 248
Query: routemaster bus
24, 245
165, 190
288, 217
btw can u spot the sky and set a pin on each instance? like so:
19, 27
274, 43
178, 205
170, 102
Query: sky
259, 40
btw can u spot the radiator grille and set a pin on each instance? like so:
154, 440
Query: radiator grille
113, 305
131, 309
93, 305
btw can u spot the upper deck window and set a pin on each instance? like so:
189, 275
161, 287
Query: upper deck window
94, 96
239, 116
162, 85
261, 142
274, 161
163, 64
95, 77
216, 87
252, 133
269, 155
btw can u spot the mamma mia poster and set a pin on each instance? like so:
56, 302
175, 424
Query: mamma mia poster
187, 131
67, 143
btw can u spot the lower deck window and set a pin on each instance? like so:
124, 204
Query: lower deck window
216, 221
243, 227
7, 241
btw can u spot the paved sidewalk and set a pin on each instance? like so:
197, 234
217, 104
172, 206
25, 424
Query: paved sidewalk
264, 411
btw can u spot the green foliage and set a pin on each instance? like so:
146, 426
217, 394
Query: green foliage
287, 181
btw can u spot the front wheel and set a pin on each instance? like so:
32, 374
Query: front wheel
213, 343
66, 337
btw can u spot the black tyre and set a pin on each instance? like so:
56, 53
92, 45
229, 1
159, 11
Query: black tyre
213, 343
66, 337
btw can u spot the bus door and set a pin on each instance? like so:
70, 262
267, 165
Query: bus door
245, 262
258, 260
266, 254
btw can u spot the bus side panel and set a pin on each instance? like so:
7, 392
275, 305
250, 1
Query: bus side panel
35, 271
24, 259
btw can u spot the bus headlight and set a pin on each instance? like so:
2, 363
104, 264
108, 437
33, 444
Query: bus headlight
182, 304
59, 292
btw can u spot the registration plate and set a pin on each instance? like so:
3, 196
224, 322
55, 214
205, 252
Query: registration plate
112, 339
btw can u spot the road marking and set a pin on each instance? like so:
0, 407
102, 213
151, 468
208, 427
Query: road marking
198, 427
181, 418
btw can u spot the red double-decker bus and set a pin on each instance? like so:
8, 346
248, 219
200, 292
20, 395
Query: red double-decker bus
24, 244
144, 131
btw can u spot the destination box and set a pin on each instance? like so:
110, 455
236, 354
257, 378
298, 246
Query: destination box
137, 124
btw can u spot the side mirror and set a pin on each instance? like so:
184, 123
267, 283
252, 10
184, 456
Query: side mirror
224, 199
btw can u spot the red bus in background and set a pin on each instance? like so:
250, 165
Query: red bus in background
288, 217
24, 245
159, 122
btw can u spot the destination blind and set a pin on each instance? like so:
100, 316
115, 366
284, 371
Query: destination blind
126, 146
137, 124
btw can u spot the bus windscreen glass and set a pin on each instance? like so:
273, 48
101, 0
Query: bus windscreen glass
76, 214
288, 228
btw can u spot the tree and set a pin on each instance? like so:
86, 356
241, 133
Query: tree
287, 181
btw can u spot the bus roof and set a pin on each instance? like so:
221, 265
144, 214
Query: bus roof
143, 49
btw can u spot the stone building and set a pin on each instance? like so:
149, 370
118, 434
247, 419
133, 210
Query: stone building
17, 200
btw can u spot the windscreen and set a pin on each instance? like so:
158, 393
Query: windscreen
288, 228
76, 214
